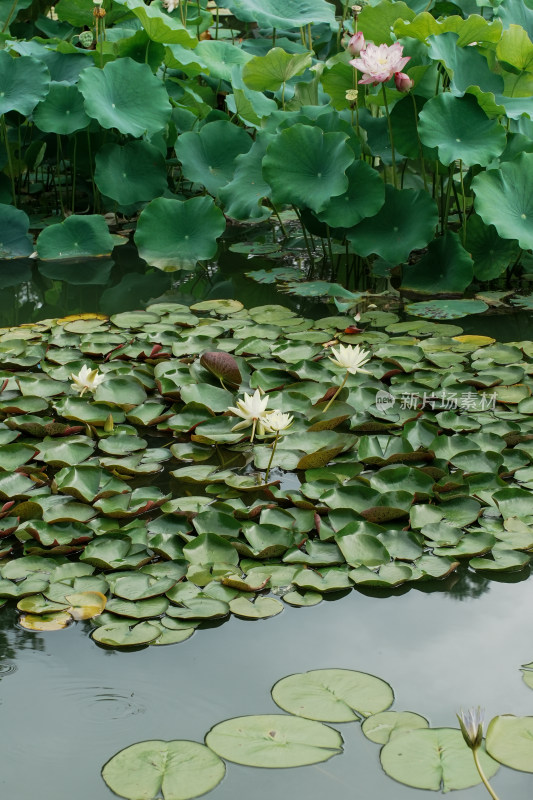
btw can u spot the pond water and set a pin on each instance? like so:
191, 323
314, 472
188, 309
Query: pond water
69, 705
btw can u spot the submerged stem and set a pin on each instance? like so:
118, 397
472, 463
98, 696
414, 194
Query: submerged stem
271, 456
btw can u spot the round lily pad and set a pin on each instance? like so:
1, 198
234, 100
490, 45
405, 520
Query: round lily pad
179, 770
332, 695
273, 741
380, 728
510, 741
122, 635
434, 758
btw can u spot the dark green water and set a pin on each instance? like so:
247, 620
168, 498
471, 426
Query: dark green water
67, 705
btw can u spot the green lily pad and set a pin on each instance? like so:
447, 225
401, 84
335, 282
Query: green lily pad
510, 741
381, 728
261, 608
446, 309
179, 770
274, 740
76, 237
332, 695
435, 759
123, 635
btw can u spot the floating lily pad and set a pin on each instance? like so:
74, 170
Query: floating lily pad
274, 741
510, 741
332, 695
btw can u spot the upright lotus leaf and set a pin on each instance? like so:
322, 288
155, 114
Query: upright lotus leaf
220, 57
473, 28
466, 66
332, 695
460, 129
126, 95
243, 195
515, 50
175, 234
274, 740
62, 110
363, 198
491, 254
406, 222
269, 72
504, 199
279, 14
159, 26
434, 758
446, 267
306, 167
130, 173
516, 12
208, 156
510, 741
25, 82
376, 21
15, 241
179, 770
75, 237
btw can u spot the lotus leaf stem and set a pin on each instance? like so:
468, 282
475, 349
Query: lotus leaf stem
9, 162
274, 444
393, 153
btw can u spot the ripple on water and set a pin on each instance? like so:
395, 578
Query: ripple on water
103, 703
7, 669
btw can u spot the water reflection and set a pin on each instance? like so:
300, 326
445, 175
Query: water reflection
13, 639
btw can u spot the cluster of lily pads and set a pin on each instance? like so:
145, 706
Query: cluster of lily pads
143, 503
180, 116
412, 752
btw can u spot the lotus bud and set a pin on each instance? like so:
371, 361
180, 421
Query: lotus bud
356, 44
403, 82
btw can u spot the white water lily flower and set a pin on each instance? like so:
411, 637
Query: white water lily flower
252, 408
86, 380
350, 358
276, 421
471, 723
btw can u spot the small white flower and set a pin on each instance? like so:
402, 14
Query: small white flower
471, 723
251, 409
86, 380
276, 421
352, 359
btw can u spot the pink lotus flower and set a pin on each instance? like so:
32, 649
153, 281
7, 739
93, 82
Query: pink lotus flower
403, 82
379, 63
356, 44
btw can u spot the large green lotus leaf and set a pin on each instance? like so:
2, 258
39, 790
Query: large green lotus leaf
510, 741
376, 21
465, 65
208, 156
279, 14
75, 237
220, 57
209, 548
126, 95
25, 81
15, 241
434, 758
515, 49
474, 28
504, 199
159, 26
174, 234
492, 254
273, 741
460, 129
130, 173
446, 267
406, 222
62, 111
267, 73
380, 728
404, 127
306, 167
252, 107
363, 198
178, 770
9, 11
121, 634
332, 695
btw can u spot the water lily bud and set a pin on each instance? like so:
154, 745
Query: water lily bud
403, 82
109, 425
356, 44
471, 724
